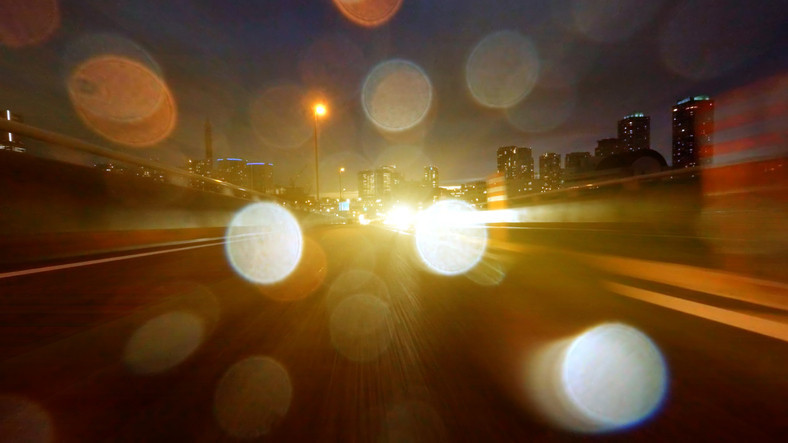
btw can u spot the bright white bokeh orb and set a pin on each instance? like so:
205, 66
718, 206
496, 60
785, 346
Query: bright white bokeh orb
450, 238
502, 69
264, 243
614, 375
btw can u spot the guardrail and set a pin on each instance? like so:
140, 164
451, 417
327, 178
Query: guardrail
21, 129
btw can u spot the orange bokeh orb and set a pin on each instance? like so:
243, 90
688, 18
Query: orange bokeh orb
28, 22
123, 100
368, 13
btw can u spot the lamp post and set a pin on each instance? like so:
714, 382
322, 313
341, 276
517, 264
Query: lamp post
341, 170
320, 110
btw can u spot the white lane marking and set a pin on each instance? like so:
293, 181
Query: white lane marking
722, 284
98, 261
769, 328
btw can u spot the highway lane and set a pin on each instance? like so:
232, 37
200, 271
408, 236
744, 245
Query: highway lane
362, 344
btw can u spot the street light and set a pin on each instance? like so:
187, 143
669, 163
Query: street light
341, 170
320, 110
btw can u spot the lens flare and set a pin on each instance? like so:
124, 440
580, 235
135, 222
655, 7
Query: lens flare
487, 273
396, 95
703, 49
614, 374
307, 277
502, 69
28, 22
361, 256
24, 420
612, 20
123, 100
410, 159
449, 238
610, 377
543, 110
252, 397
282, 116
353, 282
414, 421
368, 13
333, 64
360, 327
264, 243
163, 342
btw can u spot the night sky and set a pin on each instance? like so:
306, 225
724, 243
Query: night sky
253, 66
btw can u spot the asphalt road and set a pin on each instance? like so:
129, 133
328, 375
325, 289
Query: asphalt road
363, 343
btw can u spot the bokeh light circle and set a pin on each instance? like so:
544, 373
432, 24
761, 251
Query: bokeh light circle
163, 342
413, 421
252, 397
449, 237
487, 273
22, 420
264, 243
28, 22
502, 69
396, 95
353, 282
360, 328
307, 277
335, 65
724, 39
612, 20
614, 375
123, 100
282, 117
368, 13
543, 110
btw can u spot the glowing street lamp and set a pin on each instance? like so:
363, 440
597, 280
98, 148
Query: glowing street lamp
320, 110
341, 170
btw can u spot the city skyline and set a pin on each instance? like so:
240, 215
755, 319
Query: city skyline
588, 76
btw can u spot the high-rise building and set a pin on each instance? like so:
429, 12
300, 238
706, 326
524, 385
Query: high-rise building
607, 147
517, 166
634, 132
387, 180
577, 162
260, 176
550, 171
382, 183
366, 184
475, 193
431, 177
693, 124
10, 141
516, 162
231, 170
